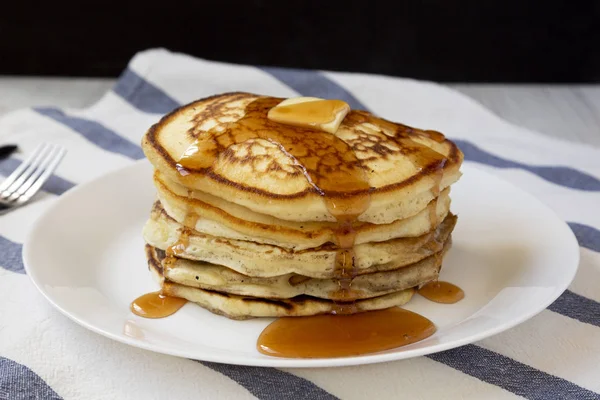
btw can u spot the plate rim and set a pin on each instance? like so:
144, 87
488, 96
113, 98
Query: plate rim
276, 362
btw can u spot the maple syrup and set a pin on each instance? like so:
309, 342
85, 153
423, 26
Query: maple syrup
344, 335
156, 305
183, 241
442, 292
435, 192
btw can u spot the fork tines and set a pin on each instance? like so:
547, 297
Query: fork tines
29, 177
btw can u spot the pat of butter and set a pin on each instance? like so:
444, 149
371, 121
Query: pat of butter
310, 112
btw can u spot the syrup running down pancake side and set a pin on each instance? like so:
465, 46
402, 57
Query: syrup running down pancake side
156, 304
182, 243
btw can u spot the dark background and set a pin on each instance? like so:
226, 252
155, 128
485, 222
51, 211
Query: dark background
451, 41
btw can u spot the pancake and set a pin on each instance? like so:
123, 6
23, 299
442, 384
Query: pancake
245, 307
281, 171
218, 217
262, 260
208, 276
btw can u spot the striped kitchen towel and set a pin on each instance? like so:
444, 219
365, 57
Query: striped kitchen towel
44, 355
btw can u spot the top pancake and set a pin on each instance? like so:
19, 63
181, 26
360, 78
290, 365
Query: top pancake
287, 172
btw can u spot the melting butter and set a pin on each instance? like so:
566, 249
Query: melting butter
310, 112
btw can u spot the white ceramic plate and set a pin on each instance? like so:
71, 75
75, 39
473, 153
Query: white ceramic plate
512, 255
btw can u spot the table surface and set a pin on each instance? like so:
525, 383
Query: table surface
569, 112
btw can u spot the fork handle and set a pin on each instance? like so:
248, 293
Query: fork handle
7, 150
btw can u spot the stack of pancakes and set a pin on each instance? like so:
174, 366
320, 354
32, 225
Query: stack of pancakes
259, 219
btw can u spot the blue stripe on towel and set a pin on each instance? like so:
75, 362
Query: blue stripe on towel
19, 382
587, 236
95, 132
511, 375
12, 259
142, 94
271, 383
563, 176
577, 307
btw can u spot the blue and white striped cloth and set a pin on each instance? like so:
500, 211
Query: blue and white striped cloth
44, 355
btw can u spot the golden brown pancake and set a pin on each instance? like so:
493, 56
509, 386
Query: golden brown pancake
209, 276
245, 307
263, 260
284, 172
218, 217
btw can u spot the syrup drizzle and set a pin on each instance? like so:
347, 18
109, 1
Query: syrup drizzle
344, 335
156, 305
183, 242
442, 292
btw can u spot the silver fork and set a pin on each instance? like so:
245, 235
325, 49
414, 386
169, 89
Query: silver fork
28, 178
